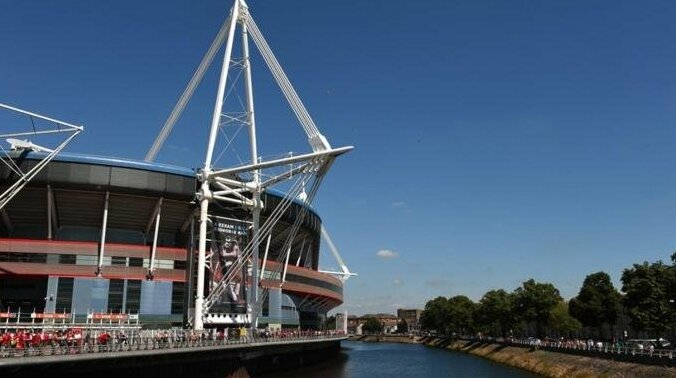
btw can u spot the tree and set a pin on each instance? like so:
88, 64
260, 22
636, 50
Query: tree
436, 315
372, 325
646, 300
561, 323
460, 314
598, 301
534, 301
493, 314
402, 327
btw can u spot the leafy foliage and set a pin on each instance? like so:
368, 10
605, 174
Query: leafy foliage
598, 301
402, 327
372, 325
561, 322
460, 314
494, 314
436, 315
646, 300
533, 302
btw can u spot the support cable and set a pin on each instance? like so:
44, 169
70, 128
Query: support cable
188, 92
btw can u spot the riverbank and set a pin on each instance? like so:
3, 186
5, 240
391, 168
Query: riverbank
403, 339
552, 364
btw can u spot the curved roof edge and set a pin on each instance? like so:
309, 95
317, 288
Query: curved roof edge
139, 164
119, 162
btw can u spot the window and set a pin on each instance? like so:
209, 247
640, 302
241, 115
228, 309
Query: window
177, 293
115, 295
135, 261
67, 259
133, 296
64, 294
117, 260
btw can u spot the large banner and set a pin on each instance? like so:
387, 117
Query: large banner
227, 239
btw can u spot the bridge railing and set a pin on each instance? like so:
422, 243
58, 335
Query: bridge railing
146, 343
605, 350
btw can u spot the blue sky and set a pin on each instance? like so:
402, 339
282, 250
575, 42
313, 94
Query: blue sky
494, 141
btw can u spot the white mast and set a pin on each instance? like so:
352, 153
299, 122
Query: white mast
227, 186
256, 183
204, 195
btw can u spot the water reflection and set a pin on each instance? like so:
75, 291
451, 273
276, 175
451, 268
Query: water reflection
361, 359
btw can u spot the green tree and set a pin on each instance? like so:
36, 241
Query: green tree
533, 303
561, 322
436, 315
646, 298
494, 314
598, 302
372, 325
460, 314
402, 327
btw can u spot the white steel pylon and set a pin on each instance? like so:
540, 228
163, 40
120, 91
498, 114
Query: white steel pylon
242, 185
36, 126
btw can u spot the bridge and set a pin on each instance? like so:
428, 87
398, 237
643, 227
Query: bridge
167, 353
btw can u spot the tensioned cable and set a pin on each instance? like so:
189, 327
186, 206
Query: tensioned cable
13, 166
188, 92
19, 184
281, 78
265, 229
278, 271
248, 250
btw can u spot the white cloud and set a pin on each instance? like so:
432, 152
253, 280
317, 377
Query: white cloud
398, 204
387, 254
397, 282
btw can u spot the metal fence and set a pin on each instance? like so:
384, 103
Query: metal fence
153, 340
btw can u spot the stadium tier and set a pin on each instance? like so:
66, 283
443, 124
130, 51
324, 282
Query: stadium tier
80, 240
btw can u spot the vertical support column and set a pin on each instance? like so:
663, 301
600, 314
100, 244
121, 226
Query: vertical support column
205, 194
153, 253
286, 264
104, 227
251, 120
265, 256
189, 273
198, 324
49, 212
300, 252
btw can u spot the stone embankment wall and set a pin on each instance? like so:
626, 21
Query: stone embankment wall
553, 364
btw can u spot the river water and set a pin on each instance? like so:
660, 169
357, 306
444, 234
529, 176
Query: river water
362, 359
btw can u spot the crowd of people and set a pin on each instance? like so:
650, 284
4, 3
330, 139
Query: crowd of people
24, 338
78, 340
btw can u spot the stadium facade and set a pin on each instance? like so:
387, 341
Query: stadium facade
85, 238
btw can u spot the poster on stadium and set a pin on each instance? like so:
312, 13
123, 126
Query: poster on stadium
226, 240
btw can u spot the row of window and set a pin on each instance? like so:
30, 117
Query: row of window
120, 296
44, 258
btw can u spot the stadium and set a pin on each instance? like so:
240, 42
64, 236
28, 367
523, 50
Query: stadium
234, 243
114, 239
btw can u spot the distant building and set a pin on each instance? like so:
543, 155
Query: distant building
412, 318
353, 324
389, 321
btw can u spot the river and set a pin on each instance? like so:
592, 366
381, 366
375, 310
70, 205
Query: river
363, 359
